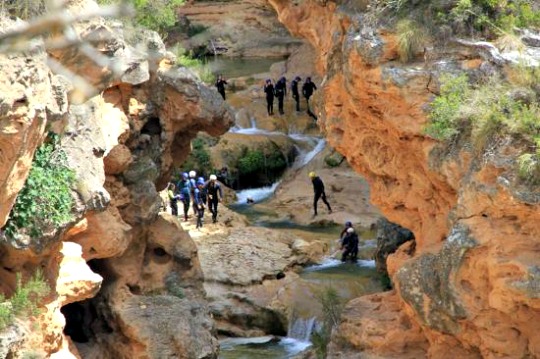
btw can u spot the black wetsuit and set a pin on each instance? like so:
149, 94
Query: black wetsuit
269, 90
281, 91
350, 243
307, 91
212, 190
220, 84
295, 94
318, 189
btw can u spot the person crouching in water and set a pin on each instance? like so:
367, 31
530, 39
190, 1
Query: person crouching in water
269, 91
185, 193
350, 245
199, 201
214, 195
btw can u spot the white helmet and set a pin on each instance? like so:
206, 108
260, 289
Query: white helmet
213, 177
192, 174
350, 230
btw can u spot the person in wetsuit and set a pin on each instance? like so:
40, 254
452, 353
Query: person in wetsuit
269, 91
307, 91
214, 196
295, 93
199, 201
220, 85
184, 187
318, 189
281, 91
173, 199
349, 245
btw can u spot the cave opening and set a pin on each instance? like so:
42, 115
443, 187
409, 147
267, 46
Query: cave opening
84, 322
152, 127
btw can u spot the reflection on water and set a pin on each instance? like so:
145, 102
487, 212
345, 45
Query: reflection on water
261, 348
239, 67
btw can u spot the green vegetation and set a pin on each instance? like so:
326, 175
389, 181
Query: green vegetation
417, 22
45, 202
23, 303
411, 39
490, 111
332, 306
24, 9
186, 59
265, 164
157, 15
198, 160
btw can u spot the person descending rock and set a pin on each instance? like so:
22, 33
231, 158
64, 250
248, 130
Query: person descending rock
220, 85
295, 93
349, 245
318, 189
173, 199
184, 187
281, 91
213, 188
269, 91
193, 182
307, 91
199, 201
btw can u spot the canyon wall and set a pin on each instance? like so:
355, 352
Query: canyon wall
471, 286
123, 140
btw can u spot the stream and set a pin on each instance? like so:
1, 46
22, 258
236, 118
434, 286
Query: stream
349, 280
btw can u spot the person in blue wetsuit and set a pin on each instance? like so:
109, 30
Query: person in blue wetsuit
200, 201
185, 193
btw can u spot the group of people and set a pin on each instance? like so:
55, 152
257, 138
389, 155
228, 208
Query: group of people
195, 192
279, 90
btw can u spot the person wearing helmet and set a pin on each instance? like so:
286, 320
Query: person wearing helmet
295, 93
193, 182
184, 187
349, 245
348, 225
214, 195
318, 189
199, 201
173, 199
281, 91
269, 91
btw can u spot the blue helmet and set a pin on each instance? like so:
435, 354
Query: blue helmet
185, 175
348, 224
200, 180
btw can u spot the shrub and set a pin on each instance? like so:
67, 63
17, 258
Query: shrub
332, 306
445, 108
411, 39
23, 303
157, 15
198, 160
24, 9
45, 202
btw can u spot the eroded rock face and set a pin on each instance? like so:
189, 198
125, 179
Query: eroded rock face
469, 216
122, 145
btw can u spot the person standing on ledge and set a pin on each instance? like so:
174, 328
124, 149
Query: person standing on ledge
295, 93
269, 91
220, 85
318, 189
307, 91
281, 91
173, 199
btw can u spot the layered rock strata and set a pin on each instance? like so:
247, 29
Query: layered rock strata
123, 145
470, 289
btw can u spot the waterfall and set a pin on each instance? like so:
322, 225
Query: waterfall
257, 194
304, 158
301, 329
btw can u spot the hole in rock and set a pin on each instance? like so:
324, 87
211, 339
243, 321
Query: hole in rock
160, 256
77, 322
160, 252
151, 127
134, 289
